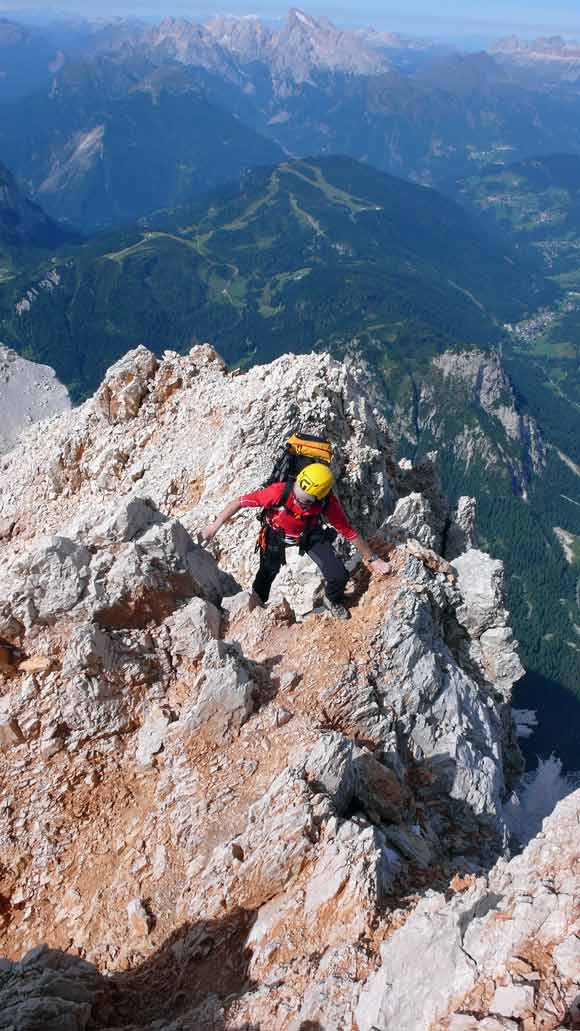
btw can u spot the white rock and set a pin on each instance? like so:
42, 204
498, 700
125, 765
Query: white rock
567, 958
151, 736
514, 1000
28, 393
138, 918
192, 627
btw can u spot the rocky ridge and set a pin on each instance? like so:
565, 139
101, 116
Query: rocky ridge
233, 815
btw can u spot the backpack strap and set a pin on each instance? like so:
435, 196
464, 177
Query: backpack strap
288, 488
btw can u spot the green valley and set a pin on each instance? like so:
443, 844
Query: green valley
309, 253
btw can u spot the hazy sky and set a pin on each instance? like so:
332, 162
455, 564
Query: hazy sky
418, 17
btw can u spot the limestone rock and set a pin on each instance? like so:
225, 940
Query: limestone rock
461, 534
192, 627
524, 909
225, 693
567, 958
482, 612
514, 1000
51, 990
452, 724
413, 517
138, 918
46, 583
121, 394
151, 736
274, 852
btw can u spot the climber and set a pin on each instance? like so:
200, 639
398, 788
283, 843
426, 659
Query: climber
293, 518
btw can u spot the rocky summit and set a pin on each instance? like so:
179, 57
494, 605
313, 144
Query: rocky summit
221, 820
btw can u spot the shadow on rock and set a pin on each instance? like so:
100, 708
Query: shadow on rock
188, 978
194, 970
572, 1018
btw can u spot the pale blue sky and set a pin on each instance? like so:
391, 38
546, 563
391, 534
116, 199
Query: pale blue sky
417, 17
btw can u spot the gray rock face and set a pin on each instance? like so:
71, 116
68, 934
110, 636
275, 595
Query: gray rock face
497, 434
483, 614
192, 627
413, 517
462, 533
29, 393
50, 990
225, 693
444, 711
494, 933
140, 577
125, 386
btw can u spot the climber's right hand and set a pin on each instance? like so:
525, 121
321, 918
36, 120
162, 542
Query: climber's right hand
207, 533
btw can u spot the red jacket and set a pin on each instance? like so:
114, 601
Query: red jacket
292, 519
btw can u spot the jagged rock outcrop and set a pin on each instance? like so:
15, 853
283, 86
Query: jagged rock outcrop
502, 954
196, 795
29, 393
493, 433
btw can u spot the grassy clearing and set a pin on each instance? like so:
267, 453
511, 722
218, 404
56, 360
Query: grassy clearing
242, 221
304, 218
336, 196
267, 306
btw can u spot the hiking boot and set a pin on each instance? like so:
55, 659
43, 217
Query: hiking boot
255, 602
336, 610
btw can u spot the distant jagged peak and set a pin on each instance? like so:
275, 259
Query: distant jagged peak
548, 48
300, 46
297, 16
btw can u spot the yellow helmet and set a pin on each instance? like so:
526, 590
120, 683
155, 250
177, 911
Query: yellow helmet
315, 479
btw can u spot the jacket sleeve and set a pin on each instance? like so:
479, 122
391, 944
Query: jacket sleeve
334, 513
265, 497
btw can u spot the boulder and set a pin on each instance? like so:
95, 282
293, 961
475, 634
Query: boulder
125, 386
52, 990
224, 692
192, 627
151, 736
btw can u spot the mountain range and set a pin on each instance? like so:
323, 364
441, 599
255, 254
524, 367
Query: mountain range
258, 93
332, 255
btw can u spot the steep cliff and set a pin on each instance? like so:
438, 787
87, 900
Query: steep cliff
465, 403
24, 224
233, 814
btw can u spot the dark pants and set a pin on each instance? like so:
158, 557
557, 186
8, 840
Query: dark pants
321, 552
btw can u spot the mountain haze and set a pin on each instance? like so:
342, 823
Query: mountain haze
113, 105
113, 140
